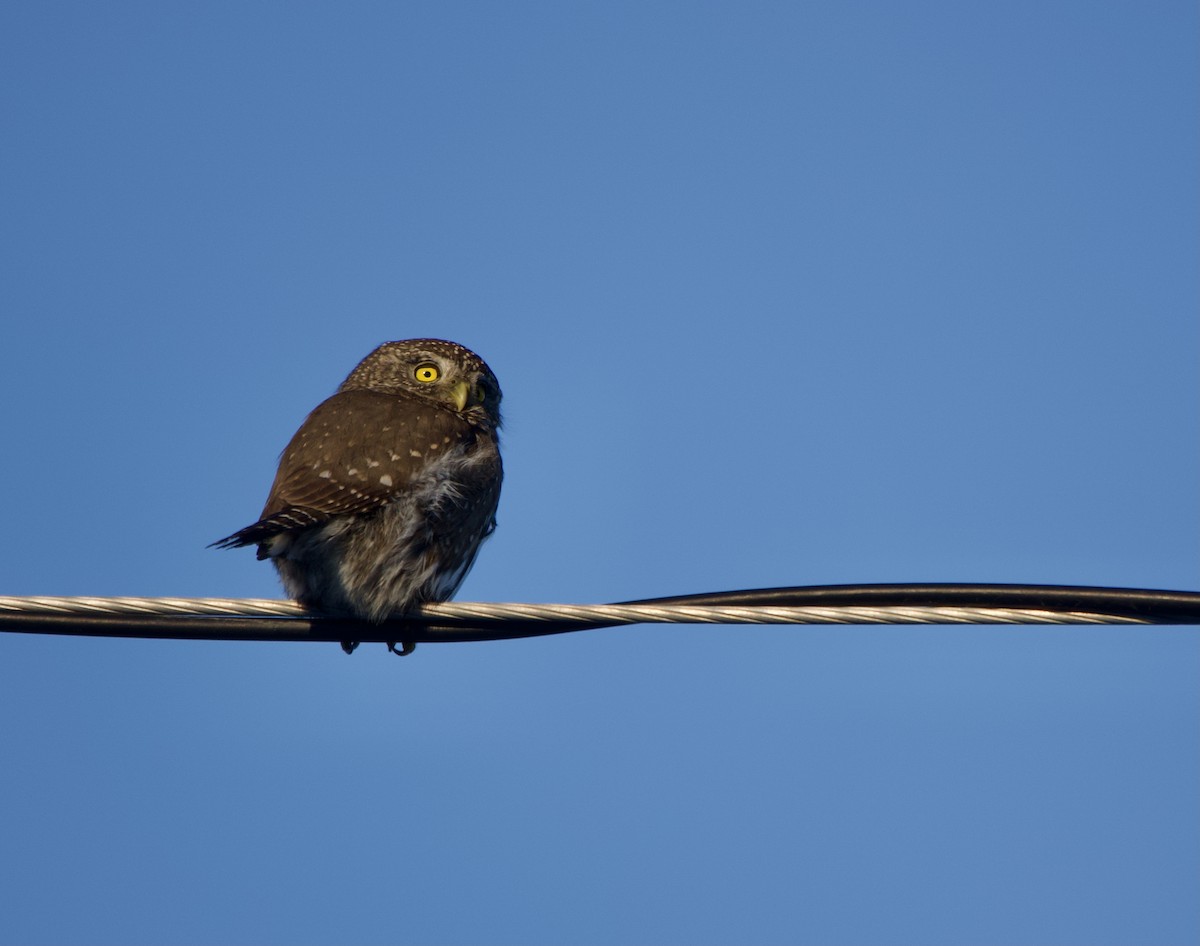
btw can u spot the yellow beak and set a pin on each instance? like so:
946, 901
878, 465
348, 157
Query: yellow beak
461, 392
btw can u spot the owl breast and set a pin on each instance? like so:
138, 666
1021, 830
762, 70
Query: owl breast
417, 547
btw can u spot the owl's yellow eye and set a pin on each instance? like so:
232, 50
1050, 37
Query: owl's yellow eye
426, 373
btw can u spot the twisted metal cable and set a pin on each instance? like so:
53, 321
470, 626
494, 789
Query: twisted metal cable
581, 614
270, 619
216, 607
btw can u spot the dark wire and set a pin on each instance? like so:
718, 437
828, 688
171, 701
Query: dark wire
1157, 607
1151, 606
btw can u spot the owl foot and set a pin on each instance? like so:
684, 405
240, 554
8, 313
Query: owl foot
348, 646
406, 648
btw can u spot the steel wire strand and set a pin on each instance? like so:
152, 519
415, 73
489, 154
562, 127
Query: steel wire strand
273, 619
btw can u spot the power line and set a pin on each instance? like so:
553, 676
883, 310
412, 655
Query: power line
268, 619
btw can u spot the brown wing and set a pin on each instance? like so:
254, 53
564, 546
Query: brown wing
355, 452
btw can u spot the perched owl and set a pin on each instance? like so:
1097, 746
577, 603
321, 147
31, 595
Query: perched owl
387, 490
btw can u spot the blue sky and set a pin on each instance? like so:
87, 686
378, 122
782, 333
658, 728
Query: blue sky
778, 294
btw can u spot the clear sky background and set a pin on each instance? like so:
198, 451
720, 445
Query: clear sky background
778, 293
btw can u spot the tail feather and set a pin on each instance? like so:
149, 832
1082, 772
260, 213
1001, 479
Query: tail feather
287, 520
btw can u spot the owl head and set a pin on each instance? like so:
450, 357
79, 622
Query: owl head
432, 370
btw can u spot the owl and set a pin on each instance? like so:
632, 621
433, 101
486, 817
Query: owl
387, 490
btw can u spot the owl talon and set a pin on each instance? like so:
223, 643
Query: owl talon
348, 646
406, 648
